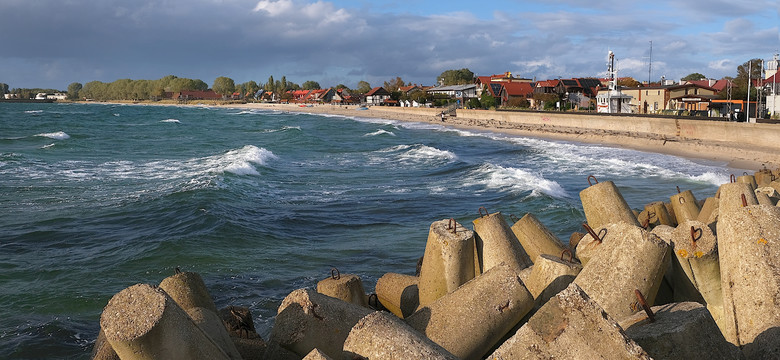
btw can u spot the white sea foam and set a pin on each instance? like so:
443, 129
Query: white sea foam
33, 111
426, 153
171, 121
240, 161
59, 135
115, 114
380, 132
47, 146
497, 177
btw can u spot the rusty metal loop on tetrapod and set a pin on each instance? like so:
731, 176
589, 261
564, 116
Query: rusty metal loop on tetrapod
594, 179
177, 270
644, 305
335, 274
646, 223
744, 200
513, 218
678, 190
745, 173
733, 178
694, 236
591, 232
571, 256
480, 211
452, 225
681, 200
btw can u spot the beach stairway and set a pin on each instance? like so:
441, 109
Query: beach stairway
683, 279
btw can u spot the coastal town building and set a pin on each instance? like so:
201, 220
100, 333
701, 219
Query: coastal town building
377, 96
462, 93
772, 87
185, 95
512, 93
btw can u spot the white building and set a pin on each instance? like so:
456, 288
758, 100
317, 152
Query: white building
772, 87
613, 101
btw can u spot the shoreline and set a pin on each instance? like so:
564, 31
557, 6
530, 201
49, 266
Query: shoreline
735, 155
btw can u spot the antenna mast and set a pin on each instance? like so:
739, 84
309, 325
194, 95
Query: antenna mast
650, 65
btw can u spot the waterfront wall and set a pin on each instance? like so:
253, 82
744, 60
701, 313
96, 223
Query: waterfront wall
671, 128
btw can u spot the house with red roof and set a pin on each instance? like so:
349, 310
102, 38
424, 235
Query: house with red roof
185, 95
377, 96
513, 92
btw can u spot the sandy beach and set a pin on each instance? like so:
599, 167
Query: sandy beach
735, 153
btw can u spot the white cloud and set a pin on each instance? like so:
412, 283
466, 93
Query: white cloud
722, 65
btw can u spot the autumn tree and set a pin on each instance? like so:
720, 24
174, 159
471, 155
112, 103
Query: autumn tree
628, 82
224, 86
394, 84
750, 70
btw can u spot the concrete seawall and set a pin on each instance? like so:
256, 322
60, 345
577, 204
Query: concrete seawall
760, 138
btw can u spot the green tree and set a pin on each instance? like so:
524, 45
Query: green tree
487, 101
73, 90
419, 96
694, 77
456, 77
270, 86
311, 85
284, 85
250, 87
751, 69
3, 88
363, 87
474, 103
341, 86
224, 86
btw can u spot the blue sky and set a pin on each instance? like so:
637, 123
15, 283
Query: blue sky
48, 43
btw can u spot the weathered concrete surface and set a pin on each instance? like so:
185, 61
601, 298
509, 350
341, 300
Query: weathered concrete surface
731, 197
380, 335
347, 287
496, 243
630, 259
550, 275
709, 211
685, 206
450, 260
316, 354
749, 248
603, 204
188, 290
398, 293
680, 331
143, 322
570, 326
535, 238
102, 349
212, 325
469, 321
696, 250
307, 319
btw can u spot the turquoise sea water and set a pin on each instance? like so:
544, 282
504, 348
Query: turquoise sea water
95, 198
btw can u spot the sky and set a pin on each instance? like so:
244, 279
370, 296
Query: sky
52, 43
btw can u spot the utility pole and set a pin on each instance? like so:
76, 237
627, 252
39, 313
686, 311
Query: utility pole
747, 105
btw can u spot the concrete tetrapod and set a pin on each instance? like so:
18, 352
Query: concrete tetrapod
709, 211
496, 243
398, 293
589, 245
380, 335
143, 322
307, 319
666, 291
731, 197
569, 326
241, 328
347, 287
603, 204
685, 206
316, 354
696, 249
657, 214
631, 259
550, 275
189, 291
679, 331
535, 238
748, 179
449, 261
471, 320
749, 248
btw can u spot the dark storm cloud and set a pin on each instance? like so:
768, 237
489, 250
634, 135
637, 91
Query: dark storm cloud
53, 43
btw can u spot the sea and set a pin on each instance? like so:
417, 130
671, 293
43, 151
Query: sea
98, 197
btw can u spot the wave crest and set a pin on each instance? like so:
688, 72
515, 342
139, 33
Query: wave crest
514, 179
59, 135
